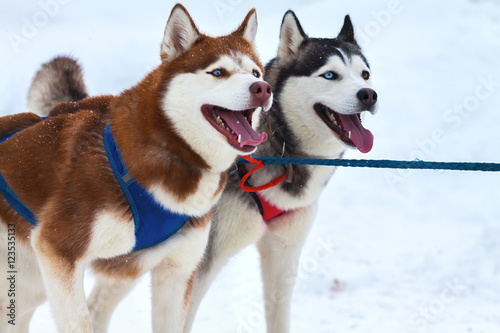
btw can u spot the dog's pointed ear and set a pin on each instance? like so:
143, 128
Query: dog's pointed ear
180, 33
346, 34
248, 29
291, 37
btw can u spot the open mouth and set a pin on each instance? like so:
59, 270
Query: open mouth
235, 125
347, 127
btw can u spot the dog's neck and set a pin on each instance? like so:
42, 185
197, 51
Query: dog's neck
148, 142
283, 142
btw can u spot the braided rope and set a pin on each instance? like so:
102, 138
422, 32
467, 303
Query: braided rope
381, 164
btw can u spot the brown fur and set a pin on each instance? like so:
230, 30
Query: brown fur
61, 183
123, 267
99, 104
14, 123
59, 168
189, 291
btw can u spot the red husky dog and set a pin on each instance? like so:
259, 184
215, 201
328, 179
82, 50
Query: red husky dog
131, 193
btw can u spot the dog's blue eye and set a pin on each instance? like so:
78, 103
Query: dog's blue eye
256, 74
330, 75
216, 72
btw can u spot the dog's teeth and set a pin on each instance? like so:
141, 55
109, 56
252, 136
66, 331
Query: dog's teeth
239, 138
331, 116
349, 135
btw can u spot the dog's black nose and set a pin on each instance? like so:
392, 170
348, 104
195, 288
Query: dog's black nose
368, 97
261, 91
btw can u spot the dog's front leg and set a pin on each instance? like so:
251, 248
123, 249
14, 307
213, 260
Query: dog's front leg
106, 294
62, 269
64, 284
172, 279
234, 228
171, 294
279, 251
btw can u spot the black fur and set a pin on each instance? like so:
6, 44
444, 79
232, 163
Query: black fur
313, 54
347, 32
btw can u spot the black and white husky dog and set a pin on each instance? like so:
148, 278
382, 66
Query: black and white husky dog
322, 87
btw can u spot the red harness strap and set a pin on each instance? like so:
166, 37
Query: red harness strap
267, 210
259, 165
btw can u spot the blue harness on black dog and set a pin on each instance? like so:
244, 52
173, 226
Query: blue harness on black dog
153, 222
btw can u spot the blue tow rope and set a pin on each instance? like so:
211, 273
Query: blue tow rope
380, 164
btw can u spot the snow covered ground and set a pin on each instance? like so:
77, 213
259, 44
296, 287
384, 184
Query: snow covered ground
390, 251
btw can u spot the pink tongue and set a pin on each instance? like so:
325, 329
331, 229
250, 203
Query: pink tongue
239, 124
360, 136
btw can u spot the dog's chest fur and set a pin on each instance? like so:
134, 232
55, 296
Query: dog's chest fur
308, 181
307, 184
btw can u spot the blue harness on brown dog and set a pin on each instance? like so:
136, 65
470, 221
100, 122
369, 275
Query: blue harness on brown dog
153, 222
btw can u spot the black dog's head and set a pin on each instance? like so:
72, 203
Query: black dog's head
322, 86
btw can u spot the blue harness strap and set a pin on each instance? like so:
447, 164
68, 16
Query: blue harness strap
11, 197
153, 223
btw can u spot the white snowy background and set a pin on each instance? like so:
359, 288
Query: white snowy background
390, 251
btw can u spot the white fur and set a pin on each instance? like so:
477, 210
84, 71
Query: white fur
183, 248
111, 236
340, 94
197, 204
251, 29
280, 240
50, 86
170, 279
193, 90
180, 34
279, 251
64, 287
29, 286
279, 245
301, 93
239, 227
172, 263
39, 90
106, 294
290, 39
235, 234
